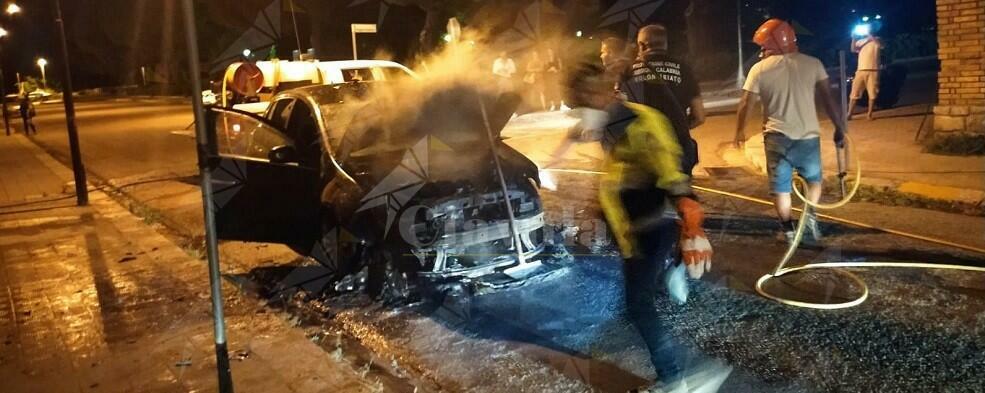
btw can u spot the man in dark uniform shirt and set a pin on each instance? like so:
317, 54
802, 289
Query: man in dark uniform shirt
657, 80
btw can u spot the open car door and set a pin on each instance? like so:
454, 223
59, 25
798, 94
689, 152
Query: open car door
261, 192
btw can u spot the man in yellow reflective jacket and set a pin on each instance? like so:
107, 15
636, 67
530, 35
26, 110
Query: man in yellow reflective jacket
649, 205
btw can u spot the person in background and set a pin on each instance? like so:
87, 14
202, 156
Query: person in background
534, 78
27, 115
867, 74
787, 82
614, 58
660, 81
552, 80
504, 68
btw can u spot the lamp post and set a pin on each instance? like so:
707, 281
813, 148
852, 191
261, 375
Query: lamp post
3, 87
81, 191
223, 371
740, 76
11, 9
44, 80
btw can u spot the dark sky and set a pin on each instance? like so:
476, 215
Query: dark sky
108, 38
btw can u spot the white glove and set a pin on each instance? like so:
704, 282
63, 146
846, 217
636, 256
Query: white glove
696, 253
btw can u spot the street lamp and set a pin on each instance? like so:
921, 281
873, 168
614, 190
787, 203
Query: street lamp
44, 81
13, 9
3, 89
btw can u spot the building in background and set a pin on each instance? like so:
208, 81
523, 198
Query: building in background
961, 81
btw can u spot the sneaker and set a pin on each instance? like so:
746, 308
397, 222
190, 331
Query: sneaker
813, 228
675, 281
785, 236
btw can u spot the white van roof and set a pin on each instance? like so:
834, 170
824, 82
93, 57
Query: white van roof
320, 72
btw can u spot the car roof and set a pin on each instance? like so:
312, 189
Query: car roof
322, 71
323, 94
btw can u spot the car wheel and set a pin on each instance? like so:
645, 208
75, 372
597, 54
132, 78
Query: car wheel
338, 251
386, 283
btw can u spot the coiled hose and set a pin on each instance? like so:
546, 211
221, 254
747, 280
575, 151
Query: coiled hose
837, 266
809, 206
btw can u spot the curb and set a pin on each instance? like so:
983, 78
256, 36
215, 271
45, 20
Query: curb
754, 153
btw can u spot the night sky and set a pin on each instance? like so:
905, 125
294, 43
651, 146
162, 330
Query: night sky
110, 39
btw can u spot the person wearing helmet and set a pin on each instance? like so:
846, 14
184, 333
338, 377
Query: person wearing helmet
661, 81
786, 82
649, 205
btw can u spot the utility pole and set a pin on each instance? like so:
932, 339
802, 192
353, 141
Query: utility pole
81, 190
740, 77
205, 170
3, 94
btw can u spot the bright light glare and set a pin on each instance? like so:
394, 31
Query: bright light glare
42, 62
547, 180
578, 33
13, 8
878, 16
236, 128
3, 32
865, 19
247, 52
446, 37
862, 30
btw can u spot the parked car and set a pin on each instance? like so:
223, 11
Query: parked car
415, 201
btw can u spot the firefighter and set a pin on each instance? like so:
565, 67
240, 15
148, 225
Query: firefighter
667, 84
650, 207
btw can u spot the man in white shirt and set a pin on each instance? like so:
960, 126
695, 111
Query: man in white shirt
786, 81
504, 68
867, 73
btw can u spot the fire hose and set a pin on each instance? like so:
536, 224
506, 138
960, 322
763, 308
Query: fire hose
782, 270
837, 266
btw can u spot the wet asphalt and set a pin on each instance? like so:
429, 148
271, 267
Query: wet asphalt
920, 331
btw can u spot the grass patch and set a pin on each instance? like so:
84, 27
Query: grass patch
956, 144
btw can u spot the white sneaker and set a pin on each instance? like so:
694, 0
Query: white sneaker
813, 228
675, 281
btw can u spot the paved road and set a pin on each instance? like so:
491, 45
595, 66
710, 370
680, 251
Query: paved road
123, 138
566, 344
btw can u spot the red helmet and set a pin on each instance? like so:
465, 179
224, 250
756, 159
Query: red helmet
776, 37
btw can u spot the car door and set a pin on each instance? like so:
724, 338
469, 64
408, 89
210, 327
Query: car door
260, 192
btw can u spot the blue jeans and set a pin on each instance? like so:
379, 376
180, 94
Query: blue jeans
783, 155
644, 283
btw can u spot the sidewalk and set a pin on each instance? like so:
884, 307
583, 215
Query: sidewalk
92, 299
890, 157
28, 173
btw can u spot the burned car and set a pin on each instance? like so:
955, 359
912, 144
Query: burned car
410, 191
